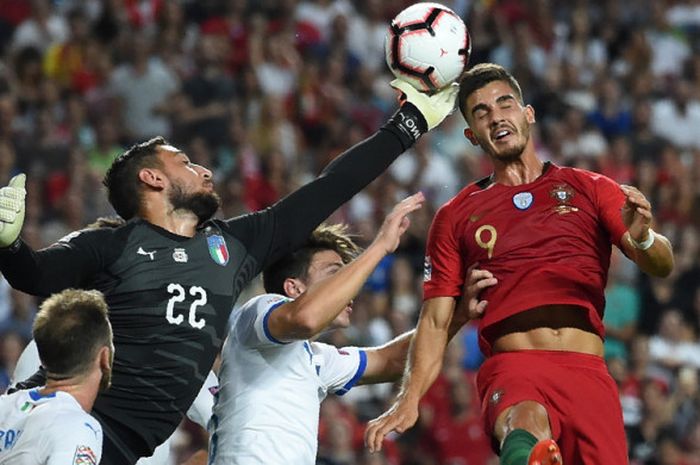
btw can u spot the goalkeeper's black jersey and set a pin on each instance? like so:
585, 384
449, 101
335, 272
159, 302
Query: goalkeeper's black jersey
170, 296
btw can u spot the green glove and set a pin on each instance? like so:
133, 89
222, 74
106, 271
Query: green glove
12, 210
434, 107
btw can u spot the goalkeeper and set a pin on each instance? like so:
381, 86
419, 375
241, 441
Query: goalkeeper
171, 274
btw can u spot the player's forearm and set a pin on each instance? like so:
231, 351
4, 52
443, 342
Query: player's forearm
301, 211
316, 308
22, 269
426, 351
657, 260
387, 363
42, 272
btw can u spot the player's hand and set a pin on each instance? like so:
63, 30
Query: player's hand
435, 107
12, 210
397, 222
400, 417
636, 213
476, 281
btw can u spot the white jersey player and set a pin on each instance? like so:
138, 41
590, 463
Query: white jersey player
199, 412
47, 429
268, 404
51, 424
273, 376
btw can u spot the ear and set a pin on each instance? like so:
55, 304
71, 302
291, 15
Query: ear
152, 177
293, 287
105, 358
530, 114
469, 134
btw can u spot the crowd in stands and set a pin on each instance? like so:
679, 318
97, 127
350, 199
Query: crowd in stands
267, 92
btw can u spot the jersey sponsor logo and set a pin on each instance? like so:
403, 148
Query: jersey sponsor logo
523, 200
427, 269
150, 254
180, 255
563, 194
84, 456
9, 438
92, 428
218, 249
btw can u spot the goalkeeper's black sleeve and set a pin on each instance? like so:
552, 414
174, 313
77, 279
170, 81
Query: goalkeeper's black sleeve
296, 215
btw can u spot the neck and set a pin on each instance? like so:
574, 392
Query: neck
523, 170
162, 214
83, 389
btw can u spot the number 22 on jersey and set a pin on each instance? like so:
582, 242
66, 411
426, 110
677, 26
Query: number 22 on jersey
178, 295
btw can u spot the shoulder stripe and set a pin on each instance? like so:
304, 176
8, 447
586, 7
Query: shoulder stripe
266, 328
358, 374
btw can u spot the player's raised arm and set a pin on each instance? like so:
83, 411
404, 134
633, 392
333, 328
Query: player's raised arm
388, 362
440, 319
48, 270
651, 251
424, 363
296, 215
316, 307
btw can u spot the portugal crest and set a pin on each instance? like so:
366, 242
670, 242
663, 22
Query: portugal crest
563, 194
218, 249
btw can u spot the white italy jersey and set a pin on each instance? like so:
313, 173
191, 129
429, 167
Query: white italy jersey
47, 430
266, 411
199, 412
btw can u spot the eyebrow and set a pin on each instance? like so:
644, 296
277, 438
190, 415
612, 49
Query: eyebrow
499, 100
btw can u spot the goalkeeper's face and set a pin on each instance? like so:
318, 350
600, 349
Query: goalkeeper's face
498, 121
190, 185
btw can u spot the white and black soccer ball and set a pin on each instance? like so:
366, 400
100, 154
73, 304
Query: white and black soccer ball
427, 45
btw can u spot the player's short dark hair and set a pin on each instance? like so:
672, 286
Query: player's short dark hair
481, 75
70, 329
296, 264
122, 178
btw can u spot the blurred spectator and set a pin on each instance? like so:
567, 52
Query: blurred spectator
621, 311
144, 85
674, 117
42, 29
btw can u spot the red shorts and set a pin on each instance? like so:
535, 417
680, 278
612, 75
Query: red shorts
580, 396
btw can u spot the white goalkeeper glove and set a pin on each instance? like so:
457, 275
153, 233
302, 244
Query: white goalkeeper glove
12, 210
434, 107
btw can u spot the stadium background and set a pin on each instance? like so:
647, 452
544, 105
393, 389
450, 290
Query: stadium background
267, 92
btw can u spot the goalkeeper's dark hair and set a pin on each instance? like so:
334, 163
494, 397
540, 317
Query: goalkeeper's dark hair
122, 178
481, 75
70, 329
296, 264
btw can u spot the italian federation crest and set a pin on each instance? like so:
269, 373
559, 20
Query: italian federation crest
217, 249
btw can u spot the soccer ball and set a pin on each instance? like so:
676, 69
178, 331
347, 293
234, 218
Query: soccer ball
428, 46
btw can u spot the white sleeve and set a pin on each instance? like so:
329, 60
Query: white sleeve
251, 323
339, 369
27, 364
73, 440
200, 410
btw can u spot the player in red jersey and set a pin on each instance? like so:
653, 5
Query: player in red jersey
533, 241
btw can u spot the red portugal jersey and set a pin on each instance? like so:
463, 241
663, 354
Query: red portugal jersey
547, 243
